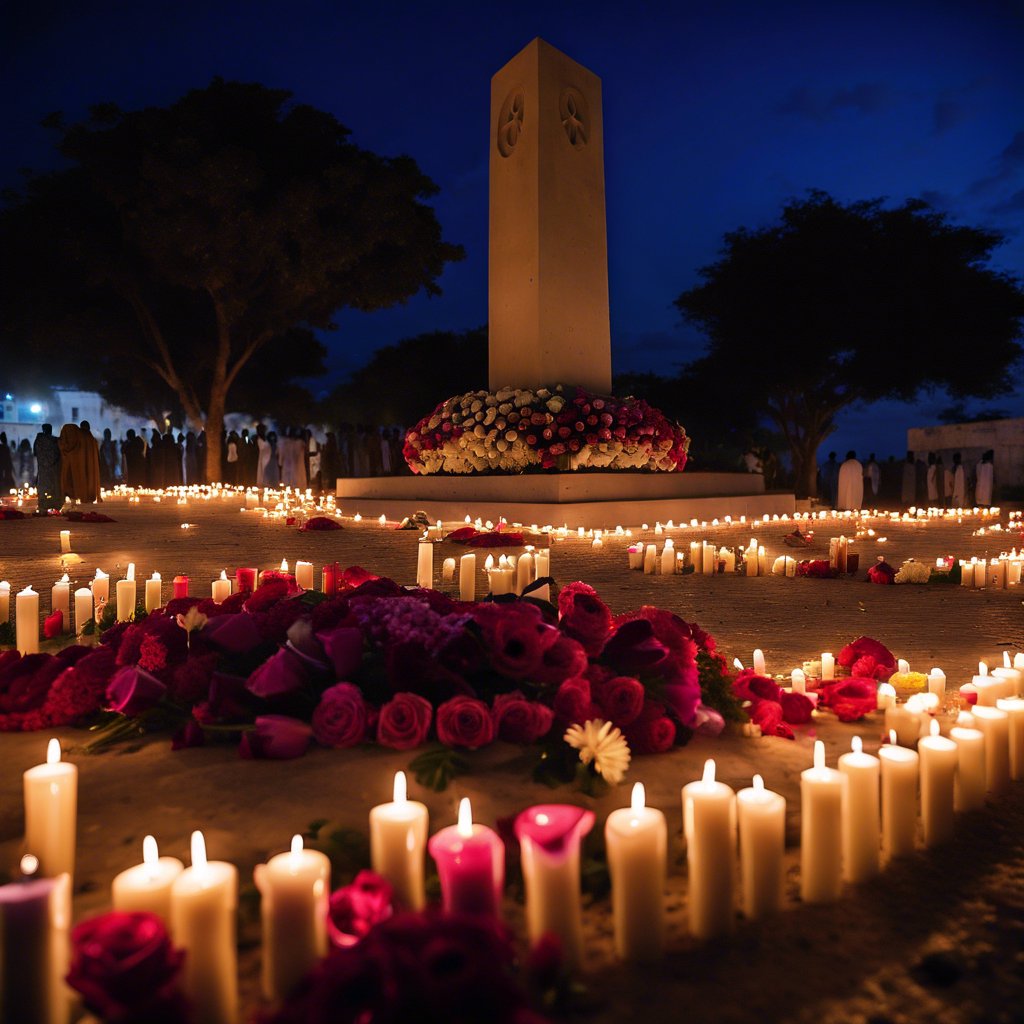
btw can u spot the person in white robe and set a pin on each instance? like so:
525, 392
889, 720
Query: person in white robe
933, 479
873, 475
263, 457
984, 474
947, 482
851, 484
959, 483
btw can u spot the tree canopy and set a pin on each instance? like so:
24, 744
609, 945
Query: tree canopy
182, 241
841, 304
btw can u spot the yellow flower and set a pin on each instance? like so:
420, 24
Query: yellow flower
602, 745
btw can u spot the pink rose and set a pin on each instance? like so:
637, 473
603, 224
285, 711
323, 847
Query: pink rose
464, 722
518, 720
355, 908
404, 721
341, 717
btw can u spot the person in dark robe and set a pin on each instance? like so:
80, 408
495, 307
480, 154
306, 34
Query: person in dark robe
133, 455
155, 460
47, 452
191, 459
107, 459
201, 458
329, 461
25, 464
72, 461
6, 465
829, 476
92, 463
172, 460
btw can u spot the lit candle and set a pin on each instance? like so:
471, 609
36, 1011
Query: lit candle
180, 585
27, 621
83, 608
294, 889
51, 812
304, 575
398, 837
937, 684
471, 866
762, 826
988, 688
5, 601
125, 600
60, 600
798, 680
861, 819
204, 901
668, 559
100, 588
650, 559
467, 578
938, 782
995, 726
154, 593
902, 723
147, 886
969, 790
708, 559
636, 839
899, 799
65, 542
828, 666
1012, 677
709, 826
1014, 708
448, 570
821, 830
221, 588
425, 565
549, 836
542, 568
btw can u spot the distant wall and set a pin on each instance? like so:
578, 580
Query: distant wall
1004, 437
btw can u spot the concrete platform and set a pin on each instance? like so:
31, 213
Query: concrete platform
574, 499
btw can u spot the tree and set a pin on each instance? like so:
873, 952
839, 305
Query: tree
199, 233
841, 304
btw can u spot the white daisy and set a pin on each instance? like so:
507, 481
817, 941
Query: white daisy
603, 745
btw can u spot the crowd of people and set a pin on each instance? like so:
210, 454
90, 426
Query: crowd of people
76, 464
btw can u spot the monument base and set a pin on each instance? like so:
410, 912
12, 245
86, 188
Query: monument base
575, 499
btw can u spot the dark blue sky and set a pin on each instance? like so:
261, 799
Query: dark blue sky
714, 114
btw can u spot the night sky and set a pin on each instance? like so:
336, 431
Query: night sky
714, 115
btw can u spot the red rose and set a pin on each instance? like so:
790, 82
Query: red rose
464, 722
621, 699
518, 720
53, 625
748, 685
355, 908
584, 617
126, 969
768, 715
404, 721
564, 659
341, 717
796, 708
865, 645
882, 573
133, 691
652, 732
850, 698
572, 702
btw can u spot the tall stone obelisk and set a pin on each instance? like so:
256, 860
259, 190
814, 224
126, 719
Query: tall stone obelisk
548, 261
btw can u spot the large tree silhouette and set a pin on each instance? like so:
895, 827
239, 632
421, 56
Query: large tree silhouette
190, 237
839, 304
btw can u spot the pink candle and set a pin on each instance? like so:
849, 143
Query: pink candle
471, 864
245, 580
180, 586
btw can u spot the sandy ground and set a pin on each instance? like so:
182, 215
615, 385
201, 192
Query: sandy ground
939, 936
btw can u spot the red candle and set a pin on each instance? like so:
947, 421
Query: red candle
245, 580
471, 864
330, 579
180, 586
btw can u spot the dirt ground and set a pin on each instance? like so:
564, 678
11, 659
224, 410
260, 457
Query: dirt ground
939, 936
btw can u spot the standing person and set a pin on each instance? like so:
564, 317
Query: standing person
315, 461
851, 484
25, 468
47, 452
384, 442
133, 459
933, 481
231, 460
921, 491
872, 476
829, 473
908, 485
6, 465
191, 459
107, 459
155, 460
266, 451
72, 461
947, 481
984, 476
92, 463
329, 461
959, 482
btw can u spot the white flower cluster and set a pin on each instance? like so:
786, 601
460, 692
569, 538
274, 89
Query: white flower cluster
913, 572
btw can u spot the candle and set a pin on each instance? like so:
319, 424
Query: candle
180, 585
65, 542
5, 601
861, 821
467, 578
34, 921
245, 579
902, 724
828, 666
294, 889
708, 559
60, 600
549, 836
204, 899
650, 559
154, 593
221, 588
899, 799
798, 680
1014, 708
937, 684
636, 840
542, 566
995, 726
304, 575
762, 826
750, 558
130, 572
727, 560
147, 886
938, 778
668, 559
759, 665
709, 826
83, 608
1013, 680
448, 570
425, 565
101, 588
969, 789
51, 802
821, 830
886, 696
330, 577
524, 571
636, 556
398, 837
27, 621
125, 600
471, 866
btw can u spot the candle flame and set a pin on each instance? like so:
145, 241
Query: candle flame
64, 579
101, 575
198, 850
737, 664
401, 788
709, 770
465, 825
150, 852
223, 574
130, 574
759, 783
1006, 659
29, 864
819, 754
155, 577
892, 737
53, 751
639, 798
982, 669
284, 565
856, 744
296, 845
934, 728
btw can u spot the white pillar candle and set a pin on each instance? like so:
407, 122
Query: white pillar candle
668, 560
154, 593
1014, 708
467, 578
821, 830
83, 608
995, 725
969, 791
60, 600
1013, 680
938, 782
988, 688
886, 696
204, 902
5, 601
828, 666
524, 572
937, 684
542, 569
762, 561
304, 575
762, 828
861, 818
636, 556
967, 575
899, 799
425, 565
903, 724
65, 542
636, 840
51, 812
398, 839
708, 559
27, 621
650, 559
750, 559
294, 889
125, 600
798, 680
727, 559
448, 570
709, 826
100, 588
220, 589
130, 572
147, 886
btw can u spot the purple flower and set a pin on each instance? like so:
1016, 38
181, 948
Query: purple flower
133, 691
344, 648
235, 634
341, 718
281, 674
276, 737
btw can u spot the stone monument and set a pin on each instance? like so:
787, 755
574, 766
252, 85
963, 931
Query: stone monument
548, 258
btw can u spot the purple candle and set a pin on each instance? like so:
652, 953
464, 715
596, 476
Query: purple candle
471, 864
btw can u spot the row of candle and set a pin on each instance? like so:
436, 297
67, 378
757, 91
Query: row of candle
506, 574
996, 573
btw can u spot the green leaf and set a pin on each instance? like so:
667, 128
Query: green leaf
556, 765
437, 766
313, 828
313, 597
590, 783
